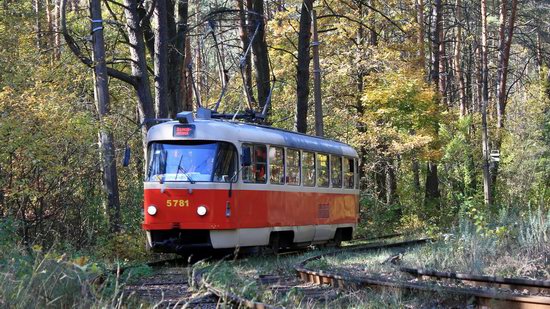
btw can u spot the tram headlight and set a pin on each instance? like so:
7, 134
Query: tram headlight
152, 210
201, 210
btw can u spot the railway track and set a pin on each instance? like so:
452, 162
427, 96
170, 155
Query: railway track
171, 286
483, 291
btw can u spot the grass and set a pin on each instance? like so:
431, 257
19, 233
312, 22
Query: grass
38, 278
45, 280
516, 246
512, 246
355, 263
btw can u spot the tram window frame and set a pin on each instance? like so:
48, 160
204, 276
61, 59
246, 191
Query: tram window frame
335, 159
289, 168
348, 171
322, 182
281, 166
311, 168
252, 169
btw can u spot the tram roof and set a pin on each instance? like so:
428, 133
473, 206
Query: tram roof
232, 131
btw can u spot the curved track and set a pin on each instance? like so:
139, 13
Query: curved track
488, 292
169, 285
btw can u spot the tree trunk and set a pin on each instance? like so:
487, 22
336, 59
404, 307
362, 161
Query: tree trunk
139, 66
49, 19
259, 46
539, 54
317, 79
503, 65
504, 57
373, 38
391, 183
479, 80
246, 64
37, 8
432, 180
176, 69
101, 93
420, 38
442, 74
56, 29
147, 30
380, 184
161, 59
187, 90
484, 102
302, 69
470, 99
416, 175
197, 73
458, 62
172, 85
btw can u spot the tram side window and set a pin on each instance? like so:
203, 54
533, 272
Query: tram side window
293, 167
349, 176
308, 168
276, 165
336, 171
256, 172
322, 170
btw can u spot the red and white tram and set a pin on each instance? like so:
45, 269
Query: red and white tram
215, 184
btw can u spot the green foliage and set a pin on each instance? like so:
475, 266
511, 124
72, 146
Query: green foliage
525, 158
376, 218
401, 113
124, 247
50, 177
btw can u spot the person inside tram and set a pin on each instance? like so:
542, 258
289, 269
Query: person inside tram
260, 158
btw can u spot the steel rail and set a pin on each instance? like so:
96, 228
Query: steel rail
490, 299
533, 286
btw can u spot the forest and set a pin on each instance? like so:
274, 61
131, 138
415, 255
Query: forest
446, 102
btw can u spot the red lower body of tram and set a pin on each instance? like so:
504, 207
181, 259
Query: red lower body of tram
192, 218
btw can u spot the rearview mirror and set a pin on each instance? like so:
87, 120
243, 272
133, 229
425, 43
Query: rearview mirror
246, 157
126, 160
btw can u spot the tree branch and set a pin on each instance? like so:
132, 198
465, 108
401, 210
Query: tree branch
283, 50
75, 48
383, 15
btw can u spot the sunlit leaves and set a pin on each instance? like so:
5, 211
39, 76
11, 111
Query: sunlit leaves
401, 114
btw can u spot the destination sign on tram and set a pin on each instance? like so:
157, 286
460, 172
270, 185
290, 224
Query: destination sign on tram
186, 130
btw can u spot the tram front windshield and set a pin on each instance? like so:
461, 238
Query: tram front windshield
191, 161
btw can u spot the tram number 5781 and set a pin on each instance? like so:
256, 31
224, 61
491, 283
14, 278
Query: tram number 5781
177, 203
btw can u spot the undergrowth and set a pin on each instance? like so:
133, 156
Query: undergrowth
33, 277
512, 245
